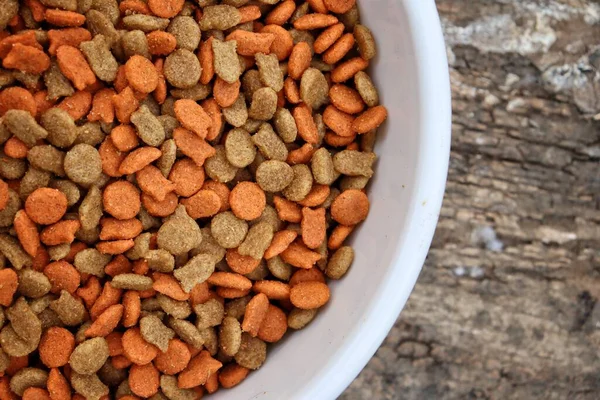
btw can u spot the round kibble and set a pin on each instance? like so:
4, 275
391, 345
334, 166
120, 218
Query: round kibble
350, 207
83, 164
247, 200
310, 294
121, 199
46, 206
89, 356
228, 230
252, 352
182, 69
239, 149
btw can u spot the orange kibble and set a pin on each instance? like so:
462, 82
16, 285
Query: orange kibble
121, 199
132, 308
57, 385
118, 265
120, 362
60, 232
62, 276
74, 66
313, 227
3, 194
338, 121
317, 196
111, 158
249, 13
5, 392
370, 119
335, 140
255, 313
280, 14
232, 375
165, 8
187, 177
274, 325
64, 18
213, 110
27, 233
283, 42
128, 7
26, 38
120, 82
102, 106
42, 102
198, 370
8, 286
309, 295
27, 59
109, 296
338, 235
169, 286
153, 182
40, 260
67, 37
287, 210
346, 99
35, 393
339, 6
90, 292
239, 263
78, 105
56, 346
230, 293
339, 49
230, 280
274, 290
136, 349
350, 207
226, 93
299, 61
17, 98
115, 345
212, 383
124, 137
106, 322
250, 43
115, 246
318, 6
144, 380
200, 294
193, 146
192, 116
206, 58
15, 148
46, 206
314, 21
307, 129
141, 74
247, 200
291, 91
125, 103
203, 204
346, 70
175, 359
307, 275
138, 159
281, 241
160, 208
161, 43
298, 255
221, 190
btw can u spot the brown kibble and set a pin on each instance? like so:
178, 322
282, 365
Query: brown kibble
219, 17
365, 42
226, 62
46, 206
155, 332
299, 318
366, 88
252, 353
182, 69
350, 207
89, 356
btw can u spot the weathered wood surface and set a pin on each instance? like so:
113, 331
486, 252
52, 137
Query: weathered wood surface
517, 317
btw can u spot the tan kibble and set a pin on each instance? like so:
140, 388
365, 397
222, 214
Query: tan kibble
301, 184
26, 378
7, 215
285, 125
98, 24
274, 176
33, 284
101, 60
141, 246
56, 83
257, 241
268, 71
89, 356
149, 128
211, 340
186, 32
364, 40
4, 361
353, 182
12, 250
264, 104
135, 43
237, 307
68, 188
228, 230
59, 251
131, 282
25, 323
219, 17
354, 163
47, 158
320, 65
209, 314
90, 209
252, 125
252, 352
366, 89
269, 144
237, 113
91, 261
314, 89
298, 318
340, 262
174, 308
179, 234
90, 133
279, 268
182, 69
226, 62
197, 270
251, 83
83, 164
209, 246
230, 336
322, 167
155, 332
12, 168
171, 391
219, 168
197, 92
186, 332
239, 148
13, 345
21, 124
145, 23
168, 157
89, 386
69, 309
160, 260
61, 128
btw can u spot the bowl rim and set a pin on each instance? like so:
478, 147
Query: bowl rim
435, 99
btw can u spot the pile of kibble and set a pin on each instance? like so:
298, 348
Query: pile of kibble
178, 181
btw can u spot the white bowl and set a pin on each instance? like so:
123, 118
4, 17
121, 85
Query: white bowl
411, 73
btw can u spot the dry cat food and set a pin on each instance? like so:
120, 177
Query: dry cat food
178, 181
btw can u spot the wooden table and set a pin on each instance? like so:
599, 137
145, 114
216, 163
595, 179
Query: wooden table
506, 306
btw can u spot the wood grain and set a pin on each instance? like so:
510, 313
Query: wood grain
506, 306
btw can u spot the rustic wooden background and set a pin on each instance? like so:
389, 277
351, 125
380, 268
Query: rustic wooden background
507, 304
